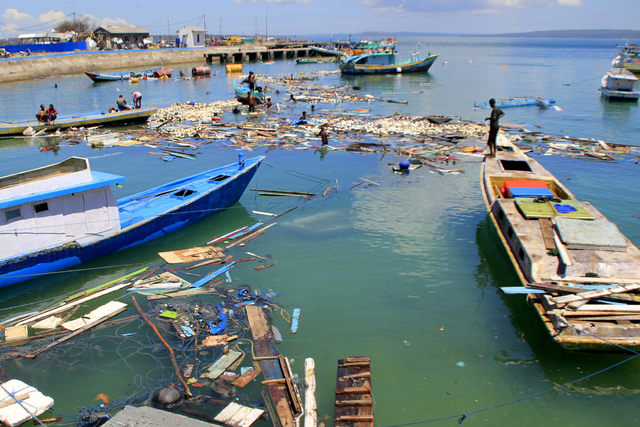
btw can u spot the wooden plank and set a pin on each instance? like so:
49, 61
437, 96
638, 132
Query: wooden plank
12, 400
257, 321
295, 320
16, 333
605, 280
547, 233
575, 290
251, 418
286, 370
355, 418
222, 364
595, 294
228, 412
247, 377
239, 416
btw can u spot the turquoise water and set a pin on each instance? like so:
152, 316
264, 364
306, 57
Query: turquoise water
407, 272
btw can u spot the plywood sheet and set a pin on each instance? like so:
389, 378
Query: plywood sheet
595, 235
191, 255
222, 364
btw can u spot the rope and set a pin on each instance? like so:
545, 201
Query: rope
19, 402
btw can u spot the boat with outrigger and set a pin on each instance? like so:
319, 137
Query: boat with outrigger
628, 58
87, 119
109, 77
386, 62
61, 215
580, 272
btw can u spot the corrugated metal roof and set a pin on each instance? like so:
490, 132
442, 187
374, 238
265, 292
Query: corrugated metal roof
122, 29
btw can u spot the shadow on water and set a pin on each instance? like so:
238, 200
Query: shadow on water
559, 366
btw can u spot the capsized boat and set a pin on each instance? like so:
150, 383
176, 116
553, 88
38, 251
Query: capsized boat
93, 118
385, 63
618, 84
316, 60
519, 101
108, 77
61, 215
561, 246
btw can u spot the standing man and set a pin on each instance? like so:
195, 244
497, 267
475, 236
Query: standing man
251, 100
137, 100
324, 137
252, 81
494, 127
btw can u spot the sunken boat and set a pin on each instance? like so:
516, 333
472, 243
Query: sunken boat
581, 274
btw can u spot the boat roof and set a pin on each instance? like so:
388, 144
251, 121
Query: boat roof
622, 74
72, 175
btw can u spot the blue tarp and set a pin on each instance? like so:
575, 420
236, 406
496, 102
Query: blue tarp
48, 47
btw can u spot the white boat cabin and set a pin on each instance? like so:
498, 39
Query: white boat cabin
373, 59
620, 79
56, 204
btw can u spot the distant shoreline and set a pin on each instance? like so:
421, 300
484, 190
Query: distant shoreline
551, 34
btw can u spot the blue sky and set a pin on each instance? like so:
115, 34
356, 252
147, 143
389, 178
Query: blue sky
301, 17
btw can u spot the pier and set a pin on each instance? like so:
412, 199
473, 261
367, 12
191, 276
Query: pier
263, 52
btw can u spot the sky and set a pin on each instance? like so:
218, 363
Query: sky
312, 17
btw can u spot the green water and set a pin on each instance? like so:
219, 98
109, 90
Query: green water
406, 272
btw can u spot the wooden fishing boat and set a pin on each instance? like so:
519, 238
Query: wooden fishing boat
385, 63
561, 246
61, 215
242, 89
520, 101
354, 396
79, 120
618, 84
628, 58
108, 77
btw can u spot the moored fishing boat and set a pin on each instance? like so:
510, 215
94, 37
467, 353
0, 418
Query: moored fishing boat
628, 58
385, 63
61, 215
560, 247
618, 84
79, 120
107, 77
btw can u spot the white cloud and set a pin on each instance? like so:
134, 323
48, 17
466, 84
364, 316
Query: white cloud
571, 3
20, 22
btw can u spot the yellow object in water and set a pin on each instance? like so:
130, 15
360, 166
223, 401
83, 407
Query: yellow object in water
133, 80
233, 68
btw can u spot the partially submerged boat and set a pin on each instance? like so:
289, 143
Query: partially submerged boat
61, 215
560, 246
317, 60
618, 84
385, 63
242, 92
78, 120
519, 101
108, 77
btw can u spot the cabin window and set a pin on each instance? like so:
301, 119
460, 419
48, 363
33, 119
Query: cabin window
521, 254
510, 232
41, 207
219, 178
12, 215
184, 193
515, 165
500, 215
198, 37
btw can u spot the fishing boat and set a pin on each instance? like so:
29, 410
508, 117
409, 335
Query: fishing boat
331, 52
61, 215
79, 120
628, 58
521, 101
385, 63
618, 84
107, 77
579, 270
242, 89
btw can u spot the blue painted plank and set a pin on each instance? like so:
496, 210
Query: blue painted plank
295, 320
206, 279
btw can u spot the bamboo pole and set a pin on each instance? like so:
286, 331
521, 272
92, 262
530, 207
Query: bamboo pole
173, 359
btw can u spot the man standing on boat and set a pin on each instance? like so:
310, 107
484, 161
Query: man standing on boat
494, 127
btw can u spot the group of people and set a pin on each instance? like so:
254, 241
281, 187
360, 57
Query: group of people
122, 103
46, 115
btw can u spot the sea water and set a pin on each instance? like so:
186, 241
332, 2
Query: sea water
406, 272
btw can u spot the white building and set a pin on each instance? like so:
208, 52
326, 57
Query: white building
191, 36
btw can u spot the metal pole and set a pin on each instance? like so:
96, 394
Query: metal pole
168, 27
266, 25
75, 27
204, 17
255, 39
220, 27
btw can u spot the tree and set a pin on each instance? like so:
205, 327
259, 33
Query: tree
82, 25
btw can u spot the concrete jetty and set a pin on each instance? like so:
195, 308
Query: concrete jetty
42, 66
151, 417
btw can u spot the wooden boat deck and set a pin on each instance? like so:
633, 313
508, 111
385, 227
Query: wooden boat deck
354, 396
585, 325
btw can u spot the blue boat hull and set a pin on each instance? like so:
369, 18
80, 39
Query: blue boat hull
28, 266
400, 68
